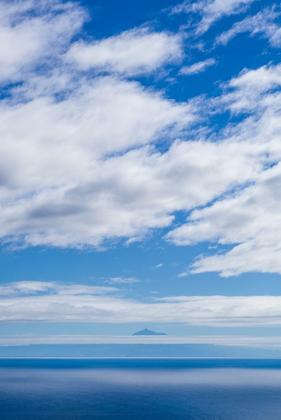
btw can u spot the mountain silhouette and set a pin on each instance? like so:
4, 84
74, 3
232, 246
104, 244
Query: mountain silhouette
148, 332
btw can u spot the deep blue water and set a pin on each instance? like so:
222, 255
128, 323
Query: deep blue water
140, 389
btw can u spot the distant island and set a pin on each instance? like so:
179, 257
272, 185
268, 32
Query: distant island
148, 332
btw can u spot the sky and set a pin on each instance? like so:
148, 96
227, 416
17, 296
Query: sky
140, 174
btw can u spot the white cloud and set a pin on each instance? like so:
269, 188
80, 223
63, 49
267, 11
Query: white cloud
80, 303
102, 116
79, 162
133, 52
35, 287
196, 68
183, 274
54, 151
123, 196
83, 204
257, 92
247, 218
126, 195
123, 280
212, 10
251, 219
263, 23
259, 248
158, 266
31, 32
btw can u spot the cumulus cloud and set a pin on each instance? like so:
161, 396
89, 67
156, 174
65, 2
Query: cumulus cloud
196, 68
80, 303
102, 117
127, 195
247, 218
61, 130
250, 219
83, 198
133, 52
80, 162
211, 10
34, 31
264, 23
261, 84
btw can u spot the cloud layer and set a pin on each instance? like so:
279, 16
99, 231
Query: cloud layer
53, 302
226, 340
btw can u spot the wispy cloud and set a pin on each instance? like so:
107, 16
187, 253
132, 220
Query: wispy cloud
123, 280
196, 68
82, 303
264, 23
39, 287
183, 274
157, 266
211, 10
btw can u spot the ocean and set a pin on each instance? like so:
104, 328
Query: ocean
140, 389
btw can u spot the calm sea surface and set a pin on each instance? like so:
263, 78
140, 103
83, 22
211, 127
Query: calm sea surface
140, 389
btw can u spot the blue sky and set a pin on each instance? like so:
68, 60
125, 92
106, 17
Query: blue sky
140, 173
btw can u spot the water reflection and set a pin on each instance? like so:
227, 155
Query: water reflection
77, 390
